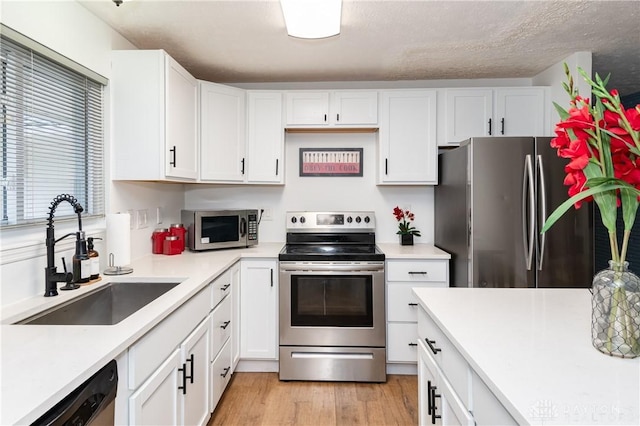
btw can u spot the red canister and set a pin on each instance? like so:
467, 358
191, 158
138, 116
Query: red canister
172, 245
157, 240
178, 230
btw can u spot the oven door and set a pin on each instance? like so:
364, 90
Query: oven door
332, 304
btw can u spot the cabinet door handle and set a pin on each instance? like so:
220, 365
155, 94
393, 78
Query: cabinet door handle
502, 126
225, 325
173, 151
417, 272
276, 167
489, 127
242, 162
412, 304
386, 166
183, 370
225, 287
413, 344
325, 118
226, 371
429, 407
190, 376
337, 117
434, 395
271, 277
431, 344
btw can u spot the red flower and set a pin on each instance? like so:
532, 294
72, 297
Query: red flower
633, 115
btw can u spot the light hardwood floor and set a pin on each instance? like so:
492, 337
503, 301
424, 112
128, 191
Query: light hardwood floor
262, 399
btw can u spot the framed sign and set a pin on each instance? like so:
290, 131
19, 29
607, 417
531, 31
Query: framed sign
331, 162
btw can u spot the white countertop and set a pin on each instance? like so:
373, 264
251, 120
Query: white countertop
532, 347
41, 364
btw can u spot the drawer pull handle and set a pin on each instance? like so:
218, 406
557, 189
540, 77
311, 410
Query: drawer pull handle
413, 344
431, 344
190, 376
413, 304
225, 325
226, 371
434, 395
417, 272
429, 407
183, 370
225, 287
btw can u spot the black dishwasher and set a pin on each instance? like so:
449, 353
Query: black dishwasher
92, 402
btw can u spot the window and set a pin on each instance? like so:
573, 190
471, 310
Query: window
51, 135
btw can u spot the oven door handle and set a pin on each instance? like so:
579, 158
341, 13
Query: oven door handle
332, 268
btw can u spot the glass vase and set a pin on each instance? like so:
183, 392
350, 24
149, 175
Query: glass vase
615, 317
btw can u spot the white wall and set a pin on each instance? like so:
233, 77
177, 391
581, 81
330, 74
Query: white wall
554, 76
68, 28
323, 193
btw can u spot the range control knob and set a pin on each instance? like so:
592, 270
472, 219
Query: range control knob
366, 219
358, 220
349, 219
302, 219
294, 219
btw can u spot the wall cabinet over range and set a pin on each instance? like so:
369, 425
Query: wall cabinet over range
309, 108
507, 111
407, 146
154, 102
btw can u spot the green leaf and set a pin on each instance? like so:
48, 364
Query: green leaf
561, 112
629, 207
564, 207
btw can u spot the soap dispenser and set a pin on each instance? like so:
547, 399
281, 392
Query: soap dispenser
81, 261
94, 258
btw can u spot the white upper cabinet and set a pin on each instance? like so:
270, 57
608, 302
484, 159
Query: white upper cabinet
509, 111
469, 113
154, 102
520, 111
265, 139
308, 108
408, 149
222, 133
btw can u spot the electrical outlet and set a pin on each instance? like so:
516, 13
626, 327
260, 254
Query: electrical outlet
143, 218
158, 215
267, 215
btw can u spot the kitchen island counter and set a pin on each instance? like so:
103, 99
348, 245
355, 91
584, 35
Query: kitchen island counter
532, 348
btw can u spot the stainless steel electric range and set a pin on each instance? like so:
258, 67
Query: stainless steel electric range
332, 308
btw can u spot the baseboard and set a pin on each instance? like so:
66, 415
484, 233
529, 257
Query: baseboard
257, 366
403, 369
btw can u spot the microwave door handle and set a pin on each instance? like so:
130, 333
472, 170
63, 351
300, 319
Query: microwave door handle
243, 226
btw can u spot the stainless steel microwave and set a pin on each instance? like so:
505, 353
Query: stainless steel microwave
217, 229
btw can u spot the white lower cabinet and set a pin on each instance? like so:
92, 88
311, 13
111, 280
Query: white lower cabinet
235, 315
177, 393
449, 391
259, 309
220, 373
402, 304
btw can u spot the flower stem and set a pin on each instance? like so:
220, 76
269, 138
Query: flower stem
625, 245
613, 242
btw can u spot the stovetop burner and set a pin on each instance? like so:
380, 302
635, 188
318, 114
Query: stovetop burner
331, 236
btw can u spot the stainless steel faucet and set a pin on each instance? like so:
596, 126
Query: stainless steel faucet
52, 276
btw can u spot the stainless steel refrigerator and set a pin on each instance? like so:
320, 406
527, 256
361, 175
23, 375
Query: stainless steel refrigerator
491, 200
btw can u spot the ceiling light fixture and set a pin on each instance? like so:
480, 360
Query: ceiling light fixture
312, 18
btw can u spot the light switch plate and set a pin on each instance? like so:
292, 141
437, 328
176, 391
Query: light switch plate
143, 218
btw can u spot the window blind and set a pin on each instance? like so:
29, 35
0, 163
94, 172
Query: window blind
51, 137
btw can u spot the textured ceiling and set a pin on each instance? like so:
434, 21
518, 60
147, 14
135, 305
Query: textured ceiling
246, 41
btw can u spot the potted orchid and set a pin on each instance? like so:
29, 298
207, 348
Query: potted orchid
405, 228
602, 143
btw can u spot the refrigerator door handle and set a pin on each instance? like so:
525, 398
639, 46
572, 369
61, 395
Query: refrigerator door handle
542, 196
528, 226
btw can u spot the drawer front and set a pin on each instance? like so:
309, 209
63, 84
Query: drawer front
221, 326
418, 270
220, 288
402, 343
154, 347
402, 304
220, 374
453, 365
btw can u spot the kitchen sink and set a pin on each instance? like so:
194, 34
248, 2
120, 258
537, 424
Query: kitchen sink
106, 306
